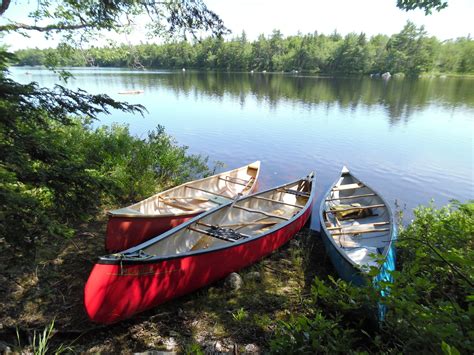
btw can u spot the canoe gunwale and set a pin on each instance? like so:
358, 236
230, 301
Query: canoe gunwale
328, 235
112, 214
122, 261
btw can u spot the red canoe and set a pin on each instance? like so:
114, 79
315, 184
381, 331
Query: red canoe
197, 253
146, 219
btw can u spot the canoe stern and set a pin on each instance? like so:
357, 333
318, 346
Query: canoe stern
125, 232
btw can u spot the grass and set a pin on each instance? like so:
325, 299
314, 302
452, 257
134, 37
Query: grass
48, 293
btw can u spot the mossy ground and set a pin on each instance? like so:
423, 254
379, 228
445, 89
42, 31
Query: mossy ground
213, 319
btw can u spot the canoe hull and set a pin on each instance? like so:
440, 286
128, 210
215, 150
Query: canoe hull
126, 232
115, 292
348, 272
347, 269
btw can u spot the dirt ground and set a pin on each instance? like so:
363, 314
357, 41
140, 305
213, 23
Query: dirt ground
215, 319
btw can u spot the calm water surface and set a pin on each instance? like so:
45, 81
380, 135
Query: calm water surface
412, 140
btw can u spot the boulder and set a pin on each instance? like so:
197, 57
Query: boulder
234, 281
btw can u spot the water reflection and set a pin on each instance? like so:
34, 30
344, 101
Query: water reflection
401, 97
409, 139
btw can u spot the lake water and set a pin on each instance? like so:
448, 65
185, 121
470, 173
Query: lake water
411, 140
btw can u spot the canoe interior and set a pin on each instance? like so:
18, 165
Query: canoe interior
362, 227
242, 220
196, 196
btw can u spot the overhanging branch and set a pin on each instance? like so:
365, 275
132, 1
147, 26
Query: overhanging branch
54, 27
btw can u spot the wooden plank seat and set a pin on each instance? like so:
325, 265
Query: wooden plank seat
294, 192
257, 220
358, 185
360, 231
261, 212
361, 225
240, 225
219, 199
356, 208
350, 197
276, 201
176, 205
233, 180
183, 198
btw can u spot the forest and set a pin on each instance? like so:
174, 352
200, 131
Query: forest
411, 52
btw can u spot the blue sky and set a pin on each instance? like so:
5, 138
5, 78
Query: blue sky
262, 16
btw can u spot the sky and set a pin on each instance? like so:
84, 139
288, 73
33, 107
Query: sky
293, 16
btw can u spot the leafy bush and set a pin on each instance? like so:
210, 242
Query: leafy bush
58, 174
430, 304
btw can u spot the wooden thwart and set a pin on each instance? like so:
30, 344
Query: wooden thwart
177, 205
256, 220
184, 198
360, 231
356, 208
350, 197
276, 201
233, 181
294, 192
240, 225
348, 187
362, 225
245, 224
209, 192
261, 212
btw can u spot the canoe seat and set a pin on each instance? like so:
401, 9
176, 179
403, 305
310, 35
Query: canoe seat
358, 185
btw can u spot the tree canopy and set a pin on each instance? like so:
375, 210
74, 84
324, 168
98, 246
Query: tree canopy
68, 16
46, 185
426, 5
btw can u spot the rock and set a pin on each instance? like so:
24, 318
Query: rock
218, 346
251, 348
170, 343
254, 276
295, 243
4, 348
234, 281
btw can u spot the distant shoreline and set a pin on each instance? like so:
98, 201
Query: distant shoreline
220, 71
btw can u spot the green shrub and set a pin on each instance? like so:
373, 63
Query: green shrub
430, 304
54, 175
